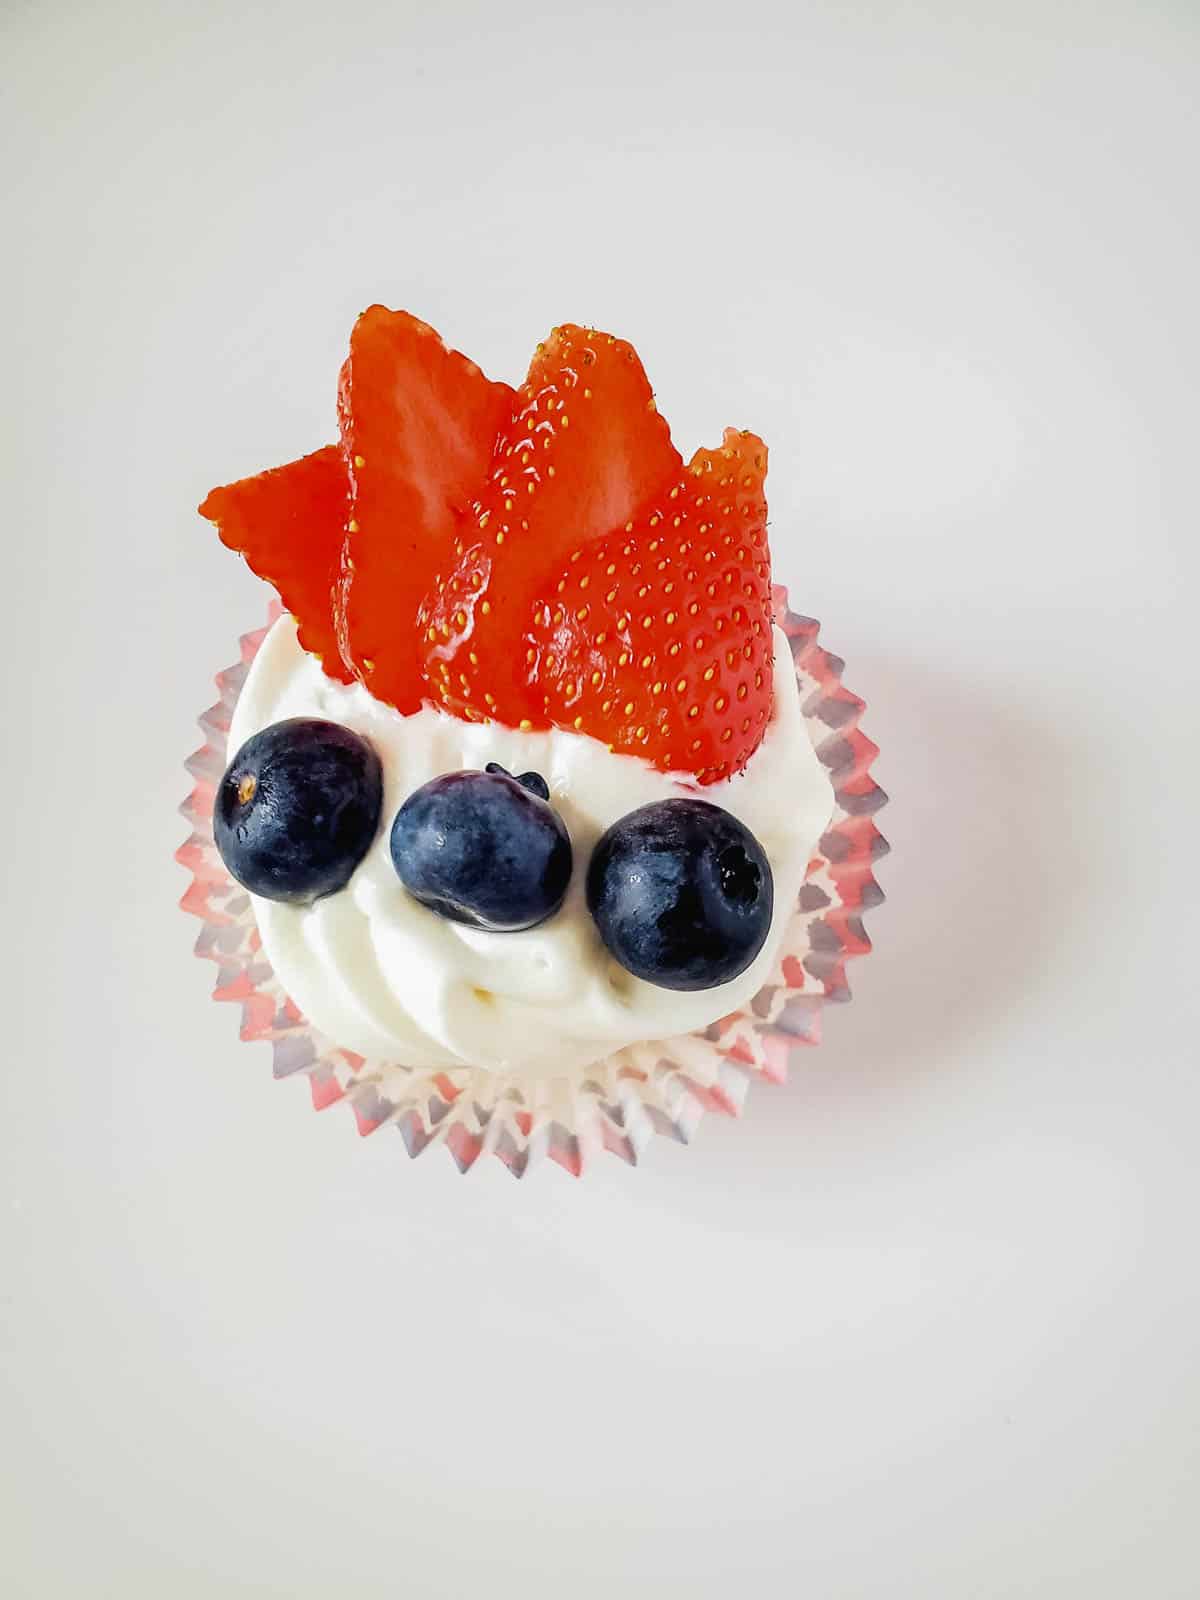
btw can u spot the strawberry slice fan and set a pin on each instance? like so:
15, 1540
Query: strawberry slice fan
541, 557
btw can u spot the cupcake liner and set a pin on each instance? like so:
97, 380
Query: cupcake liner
620, 1103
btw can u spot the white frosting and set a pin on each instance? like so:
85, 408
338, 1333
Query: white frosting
383, 976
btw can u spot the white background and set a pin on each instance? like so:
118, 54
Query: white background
924, 1322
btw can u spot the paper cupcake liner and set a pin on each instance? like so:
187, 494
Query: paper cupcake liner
619, 1103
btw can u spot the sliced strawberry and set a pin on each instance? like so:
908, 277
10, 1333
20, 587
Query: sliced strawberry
419, 426
658, 639
290, 524
584, 450
539, 558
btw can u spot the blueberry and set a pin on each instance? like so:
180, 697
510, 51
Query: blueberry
681, 892
483, 848
298, 808
533, 781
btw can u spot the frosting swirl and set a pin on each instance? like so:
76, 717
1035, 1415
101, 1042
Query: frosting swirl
383, 976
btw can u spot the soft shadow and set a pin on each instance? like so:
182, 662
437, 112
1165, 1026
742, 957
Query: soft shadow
983, 881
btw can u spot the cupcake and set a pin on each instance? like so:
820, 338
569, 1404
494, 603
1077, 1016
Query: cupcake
534, 822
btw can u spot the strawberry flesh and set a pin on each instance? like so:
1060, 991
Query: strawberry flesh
419, 425
538, 558
585, 448
289, 524
658, 639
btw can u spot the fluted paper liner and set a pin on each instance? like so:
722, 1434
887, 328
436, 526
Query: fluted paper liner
621, 1102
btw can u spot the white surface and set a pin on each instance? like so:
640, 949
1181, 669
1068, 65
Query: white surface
925, 1322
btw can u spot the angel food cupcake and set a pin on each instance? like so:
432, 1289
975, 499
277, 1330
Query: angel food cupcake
521, 785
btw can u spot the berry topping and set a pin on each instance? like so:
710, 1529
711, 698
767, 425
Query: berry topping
540, 558
298, 808
584, 449
658, 639
533, 781
681, 892
290, 524
419, 424
483, 848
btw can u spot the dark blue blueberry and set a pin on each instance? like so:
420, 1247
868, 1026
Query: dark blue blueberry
681, 892
533, 781
483, 848
298, 808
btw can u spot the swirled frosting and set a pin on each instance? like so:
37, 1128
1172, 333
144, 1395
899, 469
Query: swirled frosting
383, 976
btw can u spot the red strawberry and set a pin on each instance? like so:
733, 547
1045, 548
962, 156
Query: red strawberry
289, 524
584, 450
539, 558
419, 425
658, 639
